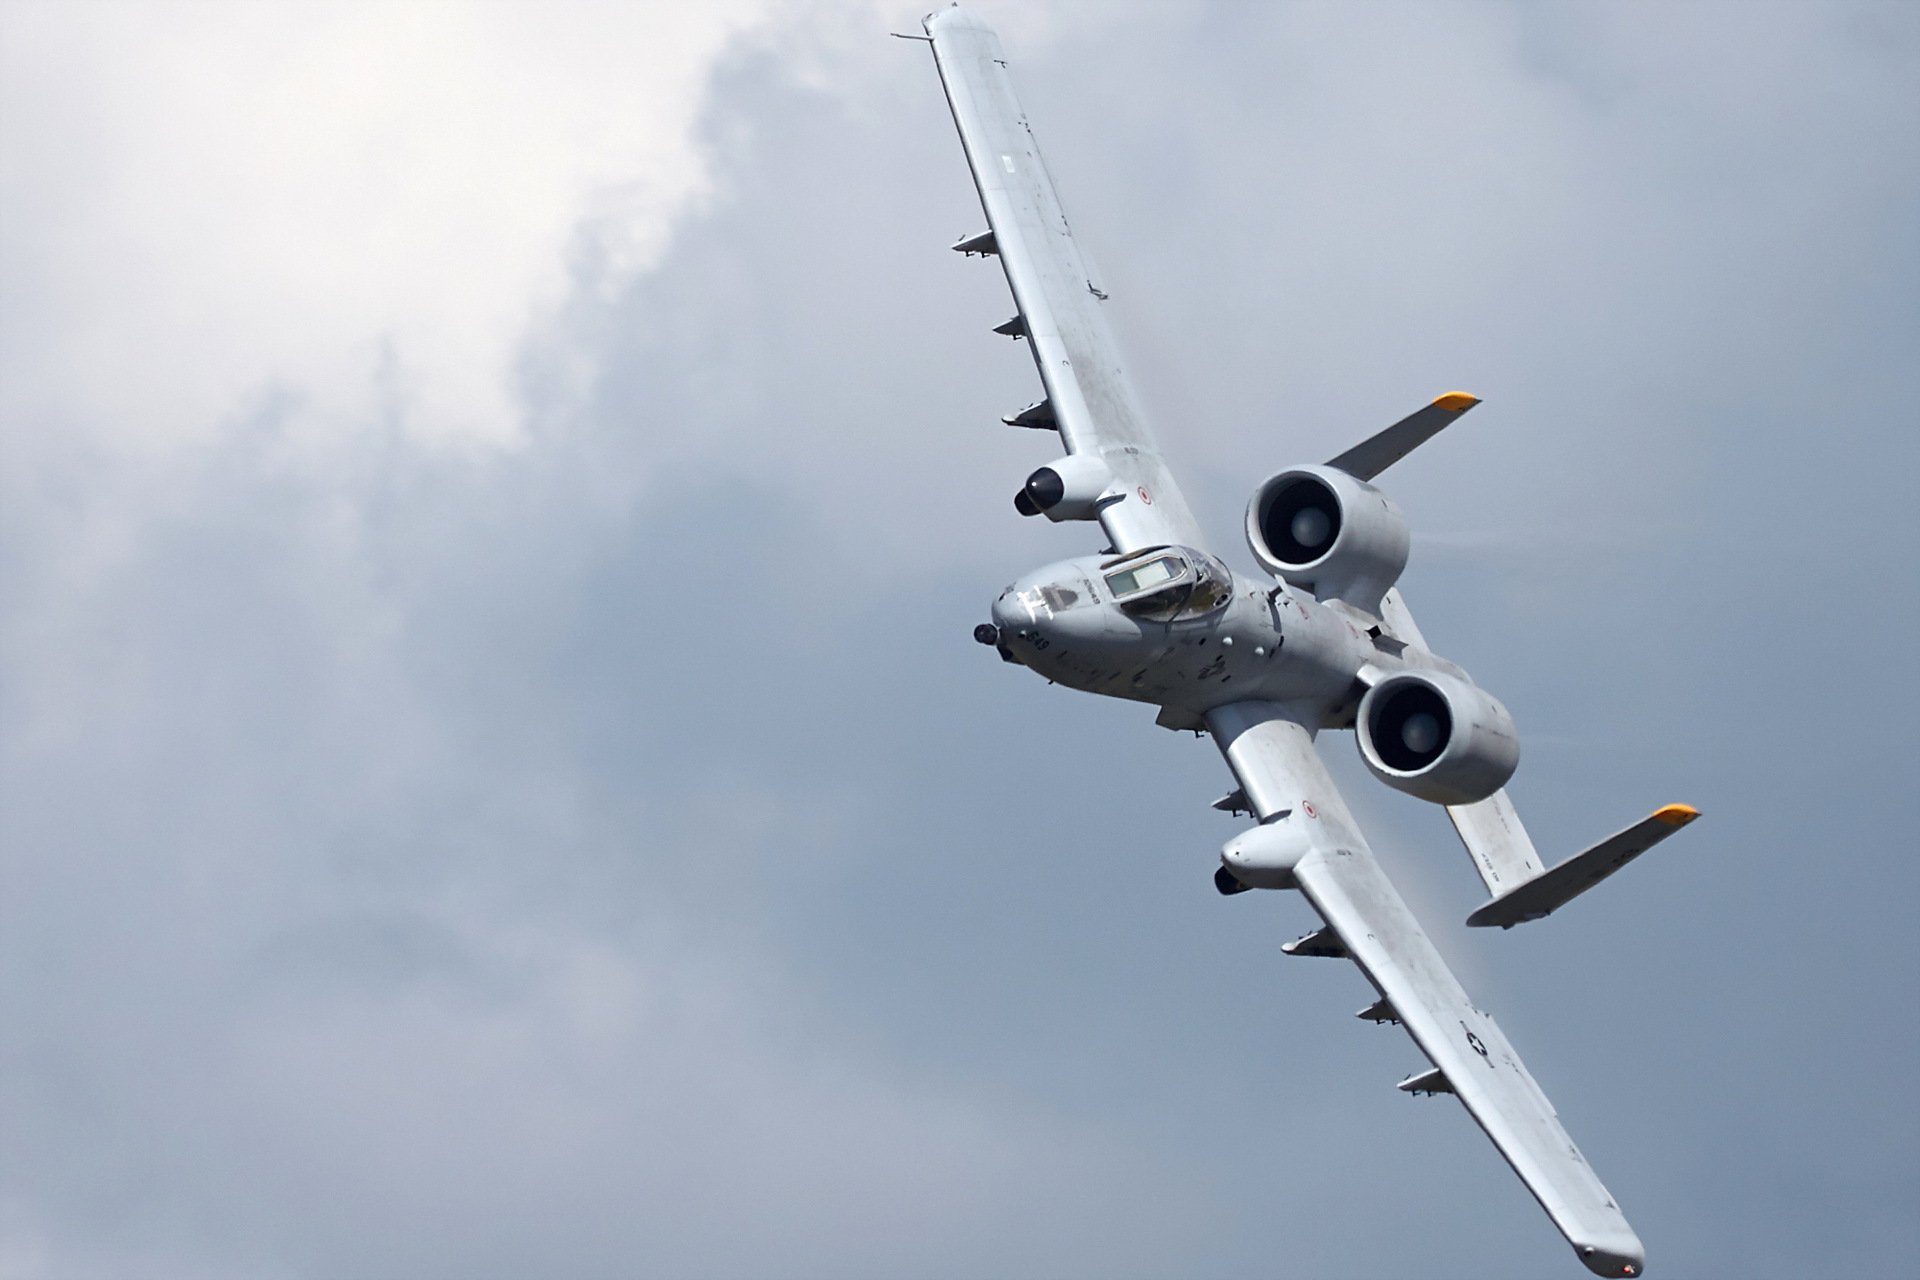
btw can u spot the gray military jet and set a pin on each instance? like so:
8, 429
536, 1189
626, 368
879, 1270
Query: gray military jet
1326, 642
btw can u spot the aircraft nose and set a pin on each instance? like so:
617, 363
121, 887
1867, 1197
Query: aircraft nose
1024, 623
1011, 613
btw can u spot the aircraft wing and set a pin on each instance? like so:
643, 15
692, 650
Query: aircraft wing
1089, 398
1312, 840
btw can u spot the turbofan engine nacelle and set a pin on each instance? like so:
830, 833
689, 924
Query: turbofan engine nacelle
1437, 737
1074, 488
1322, 530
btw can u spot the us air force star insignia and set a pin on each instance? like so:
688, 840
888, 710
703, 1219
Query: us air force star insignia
1474, 1041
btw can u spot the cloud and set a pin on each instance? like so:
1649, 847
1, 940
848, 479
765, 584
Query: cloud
213, 198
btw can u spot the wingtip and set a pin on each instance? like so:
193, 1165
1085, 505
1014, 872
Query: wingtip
955, 18
1624, 1258
1676, 815
1456, 401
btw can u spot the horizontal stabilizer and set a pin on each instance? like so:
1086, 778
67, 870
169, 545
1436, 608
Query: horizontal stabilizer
1321, 942
1376, 453
1434, 1081
1378, 1011
1038, 415
1554, 888
983, 243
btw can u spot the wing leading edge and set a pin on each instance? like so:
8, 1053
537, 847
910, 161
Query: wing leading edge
1090, 399
1309, 841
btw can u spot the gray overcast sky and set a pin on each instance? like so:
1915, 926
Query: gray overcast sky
495, 781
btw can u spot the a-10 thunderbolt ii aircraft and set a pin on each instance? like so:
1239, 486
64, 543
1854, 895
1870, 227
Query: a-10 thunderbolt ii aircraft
1325, 642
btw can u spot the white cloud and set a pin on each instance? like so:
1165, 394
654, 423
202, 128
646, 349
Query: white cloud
206, 200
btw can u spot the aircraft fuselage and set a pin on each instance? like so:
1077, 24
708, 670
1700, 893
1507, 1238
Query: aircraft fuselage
1067, 623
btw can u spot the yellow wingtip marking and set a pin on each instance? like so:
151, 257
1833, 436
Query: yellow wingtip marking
1676, 815
1456, 402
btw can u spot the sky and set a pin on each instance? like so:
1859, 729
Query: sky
495, 778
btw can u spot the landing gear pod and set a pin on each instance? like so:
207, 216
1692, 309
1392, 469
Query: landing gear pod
1264, 858
1436, 736
1073, 488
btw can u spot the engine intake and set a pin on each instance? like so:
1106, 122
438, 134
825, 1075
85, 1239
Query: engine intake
1436, 736
1321, 529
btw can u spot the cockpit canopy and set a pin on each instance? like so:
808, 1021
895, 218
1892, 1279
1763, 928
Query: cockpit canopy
1162, 584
